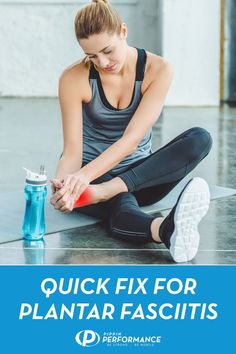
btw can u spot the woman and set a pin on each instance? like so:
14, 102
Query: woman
109, 102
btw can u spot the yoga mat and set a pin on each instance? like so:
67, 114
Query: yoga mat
13, 205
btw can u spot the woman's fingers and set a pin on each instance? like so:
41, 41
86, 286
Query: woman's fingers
78, 190
68, 207
71, 181
62, 201
77, 186
56, 183
59, 194
64, 198
66, 203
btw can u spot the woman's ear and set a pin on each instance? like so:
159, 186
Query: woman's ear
123, 31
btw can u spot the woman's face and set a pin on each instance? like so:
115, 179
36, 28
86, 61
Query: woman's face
107, 51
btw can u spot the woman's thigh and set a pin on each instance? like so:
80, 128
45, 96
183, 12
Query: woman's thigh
150, 195
170, 163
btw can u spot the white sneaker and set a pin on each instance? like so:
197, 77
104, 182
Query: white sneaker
179, 230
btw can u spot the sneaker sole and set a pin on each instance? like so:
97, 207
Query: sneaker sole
192, 207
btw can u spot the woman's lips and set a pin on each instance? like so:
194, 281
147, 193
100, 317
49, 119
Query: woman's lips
111, 68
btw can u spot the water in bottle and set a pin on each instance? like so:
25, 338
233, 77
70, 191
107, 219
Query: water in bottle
33, 227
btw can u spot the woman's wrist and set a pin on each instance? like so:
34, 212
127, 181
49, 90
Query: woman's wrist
86, 173
67, 166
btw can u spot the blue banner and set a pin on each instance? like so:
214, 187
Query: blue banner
156, 309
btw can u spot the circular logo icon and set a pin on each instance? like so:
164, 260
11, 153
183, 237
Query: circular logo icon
87, 338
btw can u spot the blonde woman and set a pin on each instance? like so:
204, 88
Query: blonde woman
109, 102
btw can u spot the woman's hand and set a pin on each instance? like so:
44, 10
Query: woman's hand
56, 184
74, 185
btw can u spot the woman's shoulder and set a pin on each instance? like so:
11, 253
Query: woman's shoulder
157, 67
76, 77
75, 71
156, 64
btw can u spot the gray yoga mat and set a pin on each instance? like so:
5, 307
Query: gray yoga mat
13, 204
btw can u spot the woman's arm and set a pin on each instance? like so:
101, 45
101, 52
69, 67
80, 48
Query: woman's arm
73, 87
70, 98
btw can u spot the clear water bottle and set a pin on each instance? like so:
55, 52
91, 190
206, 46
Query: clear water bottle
33, 227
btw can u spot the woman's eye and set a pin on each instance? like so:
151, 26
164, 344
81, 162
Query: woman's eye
93, 57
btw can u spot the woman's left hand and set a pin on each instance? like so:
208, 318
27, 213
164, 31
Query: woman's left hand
74, 185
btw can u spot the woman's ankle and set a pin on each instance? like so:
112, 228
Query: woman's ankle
113, 187
155, 226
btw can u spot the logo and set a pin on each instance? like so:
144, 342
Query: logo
87, 338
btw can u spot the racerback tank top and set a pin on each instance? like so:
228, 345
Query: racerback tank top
104, 124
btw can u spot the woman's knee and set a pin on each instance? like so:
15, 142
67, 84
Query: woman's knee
200, 143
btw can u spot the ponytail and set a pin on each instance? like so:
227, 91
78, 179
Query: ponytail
96, 17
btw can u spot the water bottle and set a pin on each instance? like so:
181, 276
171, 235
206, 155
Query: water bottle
33, 227
34, 251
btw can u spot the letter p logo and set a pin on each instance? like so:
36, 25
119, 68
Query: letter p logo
87, 338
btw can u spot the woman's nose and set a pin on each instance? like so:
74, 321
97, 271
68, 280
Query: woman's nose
103, 62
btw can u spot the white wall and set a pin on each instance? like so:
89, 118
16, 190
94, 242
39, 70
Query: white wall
191, 42
38, 42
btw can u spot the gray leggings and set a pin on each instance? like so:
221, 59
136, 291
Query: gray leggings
148, 181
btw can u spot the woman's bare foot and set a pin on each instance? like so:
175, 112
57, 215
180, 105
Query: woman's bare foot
96, 193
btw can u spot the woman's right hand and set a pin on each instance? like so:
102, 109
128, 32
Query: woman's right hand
56, 185
62, 197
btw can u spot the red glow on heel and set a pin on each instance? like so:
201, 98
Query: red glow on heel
84, 199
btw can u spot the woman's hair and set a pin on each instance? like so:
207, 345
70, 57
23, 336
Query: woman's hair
94, 18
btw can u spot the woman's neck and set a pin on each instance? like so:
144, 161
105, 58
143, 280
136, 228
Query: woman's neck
130, 61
